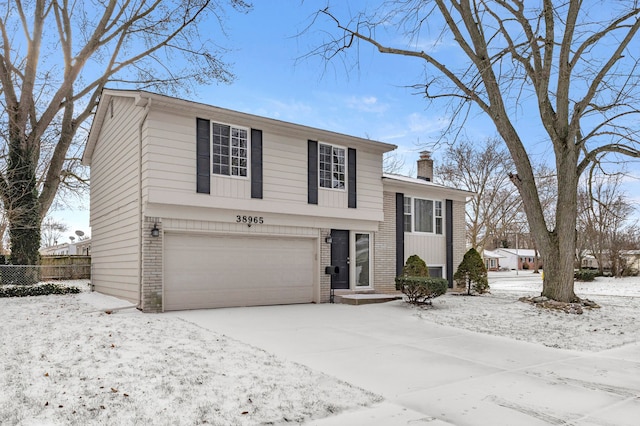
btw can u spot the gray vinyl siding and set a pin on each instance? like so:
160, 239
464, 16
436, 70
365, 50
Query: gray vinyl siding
432, 248
285, 169
369, 182
114, 204
169, 164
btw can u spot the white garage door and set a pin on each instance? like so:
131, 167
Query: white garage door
204, 271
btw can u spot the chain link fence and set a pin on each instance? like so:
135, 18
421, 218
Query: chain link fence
28, 275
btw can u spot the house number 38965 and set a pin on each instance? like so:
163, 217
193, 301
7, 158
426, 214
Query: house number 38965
249, 219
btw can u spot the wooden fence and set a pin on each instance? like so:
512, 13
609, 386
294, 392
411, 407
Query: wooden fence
65, 267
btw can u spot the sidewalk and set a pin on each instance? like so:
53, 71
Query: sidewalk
437, 374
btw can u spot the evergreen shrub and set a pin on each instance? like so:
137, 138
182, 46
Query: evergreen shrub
585, 275
36, 290
472, 274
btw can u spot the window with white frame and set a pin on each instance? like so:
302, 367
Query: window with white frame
230, 150
332, 166
422, 215
423, 221
407, 214
438, 216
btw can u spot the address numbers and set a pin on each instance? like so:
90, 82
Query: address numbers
249, 219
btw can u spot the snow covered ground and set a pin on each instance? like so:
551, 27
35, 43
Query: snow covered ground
64, 360
501, 313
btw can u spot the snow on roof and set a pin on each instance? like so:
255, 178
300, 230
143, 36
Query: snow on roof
422, 182
519, 252
492, 255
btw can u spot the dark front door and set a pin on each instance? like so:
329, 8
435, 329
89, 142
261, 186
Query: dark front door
340, 258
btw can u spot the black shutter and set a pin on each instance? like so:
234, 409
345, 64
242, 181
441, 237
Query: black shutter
256, 163
203, 158
399, 233
312, 175
353, 200
449, 237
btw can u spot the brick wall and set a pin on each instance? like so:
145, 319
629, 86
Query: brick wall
459, 234
325, 260
151, 266
385, 247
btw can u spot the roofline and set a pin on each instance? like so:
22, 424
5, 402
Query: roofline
142, 98
419, 184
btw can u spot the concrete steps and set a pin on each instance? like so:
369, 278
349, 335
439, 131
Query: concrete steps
365, 298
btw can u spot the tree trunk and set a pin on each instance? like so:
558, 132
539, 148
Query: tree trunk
558, 273
21, 202
560, 248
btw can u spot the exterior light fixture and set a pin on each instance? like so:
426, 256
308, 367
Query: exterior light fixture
328, 239
155, 232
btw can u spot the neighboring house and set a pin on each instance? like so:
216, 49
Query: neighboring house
631, 259
78, 248
517, 258
491, 260
589, 262
194, 206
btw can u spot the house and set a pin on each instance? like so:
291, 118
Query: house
589, 261
75, 248
195, 206
519, 258
631, 261
491, 260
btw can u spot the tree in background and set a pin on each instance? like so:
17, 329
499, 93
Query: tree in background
567, 68
494, 214
482, 168
604, 225
52, 231
55, 59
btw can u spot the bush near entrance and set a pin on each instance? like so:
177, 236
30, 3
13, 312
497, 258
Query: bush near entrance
420, 290
416, 284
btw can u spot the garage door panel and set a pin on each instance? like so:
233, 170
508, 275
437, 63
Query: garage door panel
220, 271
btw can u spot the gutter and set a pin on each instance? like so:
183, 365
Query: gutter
147, 106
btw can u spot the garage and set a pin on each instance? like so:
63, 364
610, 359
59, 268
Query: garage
214, 271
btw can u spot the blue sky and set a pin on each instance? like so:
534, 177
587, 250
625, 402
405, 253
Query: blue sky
369, 98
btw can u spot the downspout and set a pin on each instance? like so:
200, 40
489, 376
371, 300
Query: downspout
141, 227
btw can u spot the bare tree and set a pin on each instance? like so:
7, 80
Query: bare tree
482, 168
52, 231
393, 163
571, 67
56, 56
604, 225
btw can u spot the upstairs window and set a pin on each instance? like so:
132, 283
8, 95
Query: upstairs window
230, 148
331, 167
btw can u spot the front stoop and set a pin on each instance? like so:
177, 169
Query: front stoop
365, 299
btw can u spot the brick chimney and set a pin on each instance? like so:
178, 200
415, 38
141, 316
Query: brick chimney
425, 166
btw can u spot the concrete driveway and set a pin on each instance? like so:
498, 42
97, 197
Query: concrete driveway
436, 374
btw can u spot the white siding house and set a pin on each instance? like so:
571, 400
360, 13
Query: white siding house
517, 258
194, 206
491, 260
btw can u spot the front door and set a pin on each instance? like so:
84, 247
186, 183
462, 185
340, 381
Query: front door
340, 258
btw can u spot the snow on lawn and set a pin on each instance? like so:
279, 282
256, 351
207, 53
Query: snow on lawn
501, 313
65, 361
